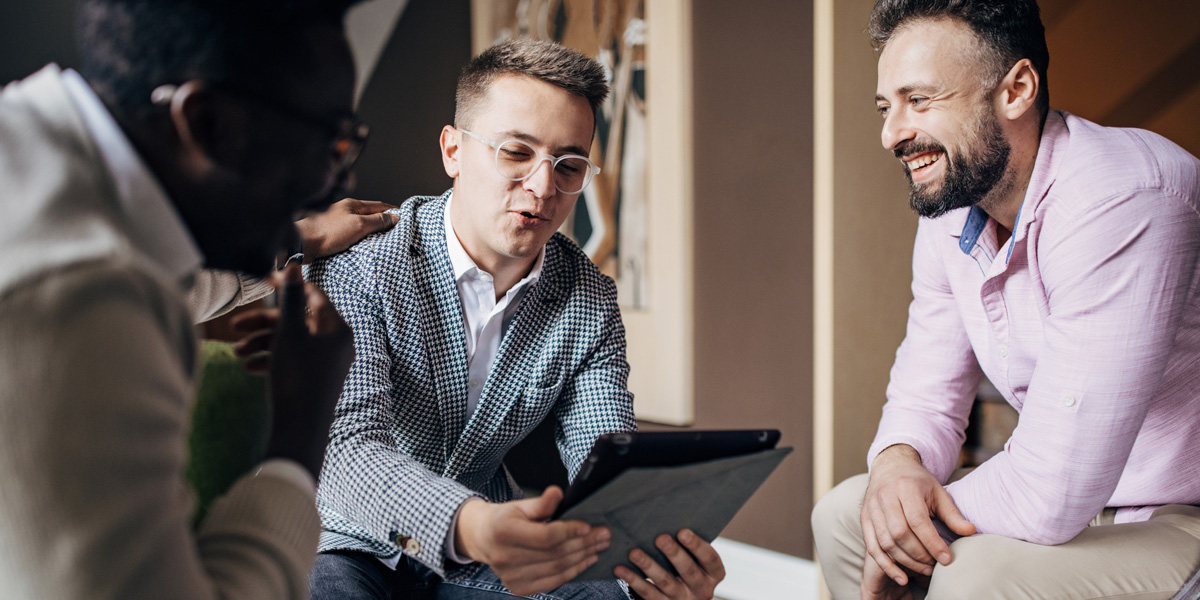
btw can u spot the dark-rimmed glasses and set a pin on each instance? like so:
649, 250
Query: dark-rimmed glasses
347, 134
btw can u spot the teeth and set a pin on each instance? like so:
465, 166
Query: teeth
927, 159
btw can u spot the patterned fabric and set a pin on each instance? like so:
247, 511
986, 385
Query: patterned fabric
402, 455
1087, 321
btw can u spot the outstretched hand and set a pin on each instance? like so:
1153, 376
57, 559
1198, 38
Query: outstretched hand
342, 225
529, 554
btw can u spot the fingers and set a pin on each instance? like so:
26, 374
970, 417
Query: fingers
368, 207
704, 554
698, 565
542, 507
901, 541
381, 222
253, 320
932, 546
947, 511
881, 558
876, 585
646, 589
258, 341
887, 529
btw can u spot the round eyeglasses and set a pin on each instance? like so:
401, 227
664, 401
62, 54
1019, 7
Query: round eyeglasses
516, 160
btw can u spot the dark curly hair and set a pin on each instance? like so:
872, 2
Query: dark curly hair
130, 47
1008, 30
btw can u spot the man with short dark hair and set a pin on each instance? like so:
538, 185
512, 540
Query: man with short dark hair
473, 322
1061, 259
195, 132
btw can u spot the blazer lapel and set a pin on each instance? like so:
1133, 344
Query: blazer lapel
444, 344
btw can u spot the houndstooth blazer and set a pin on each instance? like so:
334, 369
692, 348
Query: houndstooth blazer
401, 459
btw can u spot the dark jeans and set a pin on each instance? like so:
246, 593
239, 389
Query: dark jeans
360, 576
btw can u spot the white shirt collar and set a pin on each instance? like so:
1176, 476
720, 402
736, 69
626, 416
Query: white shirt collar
154, 226
462, 263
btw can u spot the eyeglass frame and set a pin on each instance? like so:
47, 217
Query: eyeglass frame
593, 170
345, 128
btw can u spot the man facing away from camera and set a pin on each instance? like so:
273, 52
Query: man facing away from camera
1061, 259
474, 321
195, 132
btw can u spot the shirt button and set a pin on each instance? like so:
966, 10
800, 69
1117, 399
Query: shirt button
473, 383
409, 545
1003, 351
1068, 400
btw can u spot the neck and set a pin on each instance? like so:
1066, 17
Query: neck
1004, 202
505, 271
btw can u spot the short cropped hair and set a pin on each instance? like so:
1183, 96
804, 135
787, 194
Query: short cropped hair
547, 61
130, 47
1007, 31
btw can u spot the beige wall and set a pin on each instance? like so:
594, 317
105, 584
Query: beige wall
864, 231
752, 211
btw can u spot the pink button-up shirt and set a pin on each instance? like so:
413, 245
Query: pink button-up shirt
1087, 321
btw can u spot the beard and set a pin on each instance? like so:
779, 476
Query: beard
969, 177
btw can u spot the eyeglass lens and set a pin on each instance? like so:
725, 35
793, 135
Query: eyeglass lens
516, 160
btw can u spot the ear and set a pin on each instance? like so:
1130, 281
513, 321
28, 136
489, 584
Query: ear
211, 131
1018, 90
450, 141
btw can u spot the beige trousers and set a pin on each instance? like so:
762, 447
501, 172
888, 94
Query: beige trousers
1132, 561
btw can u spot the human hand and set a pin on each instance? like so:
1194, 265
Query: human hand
342, 225
901, 497
528, 554
257, 327
877, 585
698, 565
311, 350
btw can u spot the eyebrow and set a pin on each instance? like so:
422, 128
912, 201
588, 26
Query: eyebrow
525, 137
908, 89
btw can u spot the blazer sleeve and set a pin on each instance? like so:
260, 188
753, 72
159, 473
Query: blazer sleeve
596, 400
94, 411
366, 479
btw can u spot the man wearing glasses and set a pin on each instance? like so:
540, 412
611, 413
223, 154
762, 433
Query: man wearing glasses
474, 321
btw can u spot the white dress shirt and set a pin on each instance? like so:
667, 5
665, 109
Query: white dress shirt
486, 318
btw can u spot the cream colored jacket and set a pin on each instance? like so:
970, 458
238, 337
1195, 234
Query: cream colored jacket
97, 359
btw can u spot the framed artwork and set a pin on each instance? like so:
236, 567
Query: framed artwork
634, 220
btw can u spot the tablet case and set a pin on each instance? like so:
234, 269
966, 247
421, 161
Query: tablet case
641, 503
612, 453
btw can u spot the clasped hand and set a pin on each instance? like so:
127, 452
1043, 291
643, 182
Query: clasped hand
897, 524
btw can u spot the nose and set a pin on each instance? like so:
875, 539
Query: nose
896, 130
540, 182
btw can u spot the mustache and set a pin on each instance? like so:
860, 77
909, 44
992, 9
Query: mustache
915, 148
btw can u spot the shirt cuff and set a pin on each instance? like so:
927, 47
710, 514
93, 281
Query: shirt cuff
451, 552
288, 471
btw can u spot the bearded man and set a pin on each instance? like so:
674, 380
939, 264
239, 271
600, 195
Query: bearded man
1061, 259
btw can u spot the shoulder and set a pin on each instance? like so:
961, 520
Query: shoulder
1119, 165
386, 251
570, 268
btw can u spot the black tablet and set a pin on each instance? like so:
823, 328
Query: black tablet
615, 452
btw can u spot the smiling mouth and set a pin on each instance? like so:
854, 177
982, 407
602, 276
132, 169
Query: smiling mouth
923, 161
